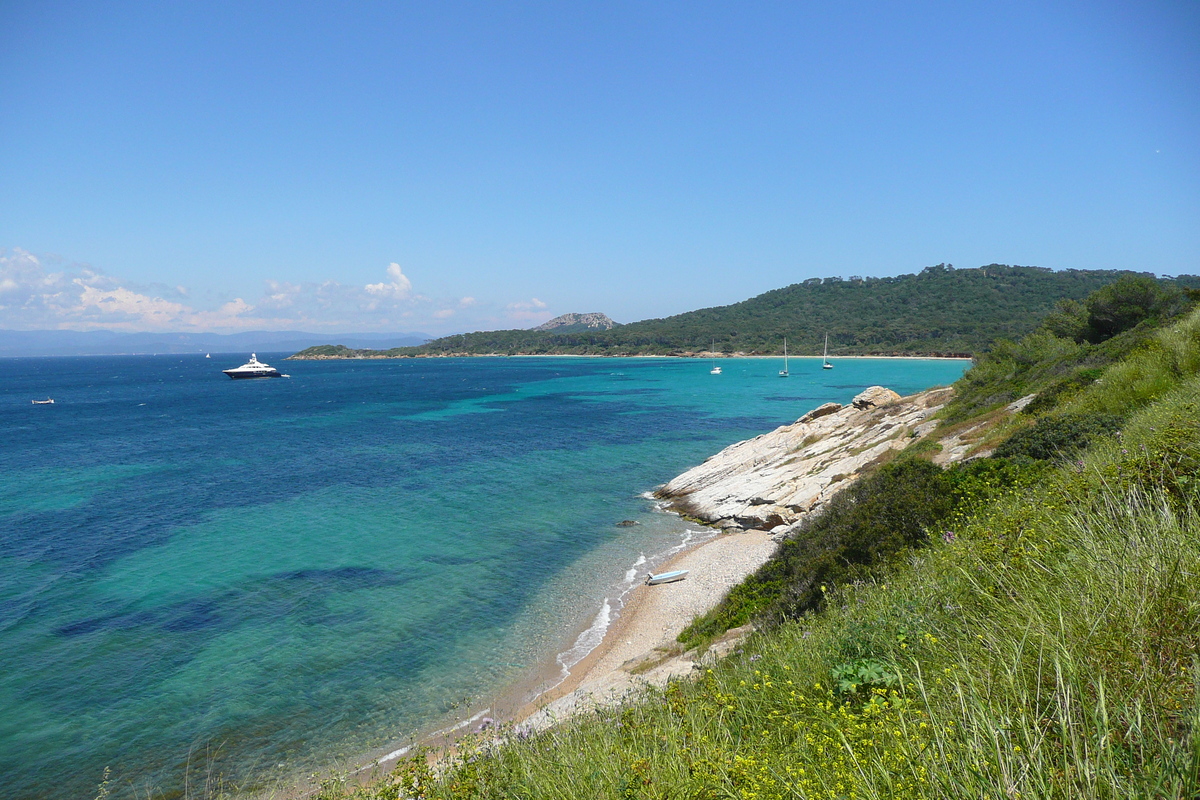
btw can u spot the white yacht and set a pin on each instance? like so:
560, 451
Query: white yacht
253, 369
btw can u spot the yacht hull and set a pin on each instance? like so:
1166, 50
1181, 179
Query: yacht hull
243, 376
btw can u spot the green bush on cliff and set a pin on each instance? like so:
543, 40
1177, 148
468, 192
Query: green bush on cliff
1071, 347
1059, 437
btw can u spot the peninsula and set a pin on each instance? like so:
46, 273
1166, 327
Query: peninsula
941, 311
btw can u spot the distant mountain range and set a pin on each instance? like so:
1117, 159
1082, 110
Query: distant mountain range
103, 343
938, 311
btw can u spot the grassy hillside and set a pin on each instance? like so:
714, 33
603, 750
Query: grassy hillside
941, 310
1027, 625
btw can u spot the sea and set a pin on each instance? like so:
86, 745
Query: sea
260, 581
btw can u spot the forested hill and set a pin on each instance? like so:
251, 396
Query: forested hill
940, 311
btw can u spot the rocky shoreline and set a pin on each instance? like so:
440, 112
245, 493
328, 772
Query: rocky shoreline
772, 481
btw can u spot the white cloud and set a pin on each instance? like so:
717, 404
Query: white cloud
42, 293
127, 303
526, 311
526, 306
400, 285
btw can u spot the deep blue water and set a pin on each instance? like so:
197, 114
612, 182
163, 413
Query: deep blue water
274, 575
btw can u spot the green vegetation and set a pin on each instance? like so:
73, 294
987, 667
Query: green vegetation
1070, 348
940, 311
1058, 438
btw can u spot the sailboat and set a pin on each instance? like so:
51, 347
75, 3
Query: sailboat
783, 373
825, 358
715, 369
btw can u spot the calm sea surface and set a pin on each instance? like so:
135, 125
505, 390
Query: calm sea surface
269, 576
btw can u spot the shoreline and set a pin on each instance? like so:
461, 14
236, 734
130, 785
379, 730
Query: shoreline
744, 488
744, 497
698, 355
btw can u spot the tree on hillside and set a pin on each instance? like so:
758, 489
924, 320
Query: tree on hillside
1124, 303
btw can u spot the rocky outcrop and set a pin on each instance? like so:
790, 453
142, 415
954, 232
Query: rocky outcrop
875, 397
771, 481
573, 323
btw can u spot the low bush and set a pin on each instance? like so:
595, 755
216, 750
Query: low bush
1058, 438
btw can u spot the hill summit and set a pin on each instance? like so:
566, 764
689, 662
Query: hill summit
574, 323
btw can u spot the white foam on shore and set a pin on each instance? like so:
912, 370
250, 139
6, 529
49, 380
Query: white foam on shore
587, 641
392, 756
632, 573
466, 722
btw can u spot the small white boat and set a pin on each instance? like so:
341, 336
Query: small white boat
825, 358
783, 373
208, 355
49, 401
666, 577
715, 369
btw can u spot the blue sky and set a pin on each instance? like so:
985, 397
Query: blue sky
450, 166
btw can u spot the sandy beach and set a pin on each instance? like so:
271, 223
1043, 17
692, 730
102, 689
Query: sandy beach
640, 647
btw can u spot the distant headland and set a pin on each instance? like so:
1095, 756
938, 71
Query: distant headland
939, 312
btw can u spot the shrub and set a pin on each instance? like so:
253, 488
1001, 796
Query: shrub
1125, 303
1058, 438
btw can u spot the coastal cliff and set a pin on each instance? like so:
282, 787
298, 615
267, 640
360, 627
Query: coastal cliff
771, 481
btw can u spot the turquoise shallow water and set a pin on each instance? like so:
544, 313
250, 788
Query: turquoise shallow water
275, 575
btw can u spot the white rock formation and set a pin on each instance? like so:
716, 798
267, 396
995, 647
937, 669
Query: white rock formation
769, 482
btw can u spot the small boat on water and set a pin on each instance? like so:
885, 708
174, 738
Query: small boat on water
715, 369
666, 577
825, 356
783, 373
253, 369
49, 401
